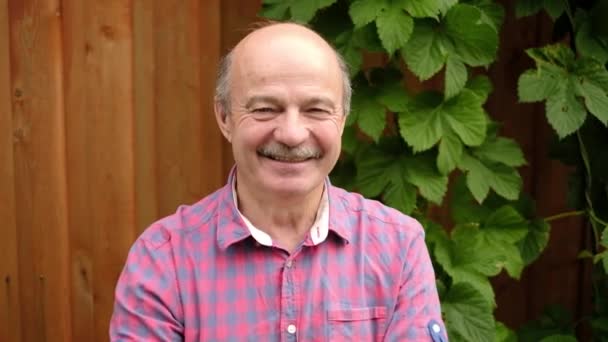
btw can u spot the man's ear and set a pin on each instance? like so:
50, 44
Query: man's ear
223, 121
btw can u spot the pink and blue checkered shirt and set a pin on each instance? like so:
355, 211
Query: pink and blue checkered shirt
200, 275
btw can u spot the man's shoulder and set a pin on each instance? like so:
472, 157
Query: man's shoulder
186, 220
376, 213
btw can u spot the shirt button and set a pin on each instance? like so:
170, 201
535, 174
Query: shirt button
288, 264
436, 328
291, 329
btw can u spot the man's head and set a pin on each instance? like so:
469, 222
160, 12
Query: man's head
282, 97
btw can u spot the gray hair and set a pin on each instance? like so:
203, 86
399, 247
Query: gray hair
222, 85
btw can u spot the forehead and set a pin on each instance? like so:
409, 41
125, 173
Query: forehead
285, 60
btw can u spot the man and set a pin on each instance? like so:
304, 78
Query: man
279, 254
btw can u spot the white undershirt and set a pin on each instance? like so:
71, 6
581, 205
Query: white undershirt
318, 231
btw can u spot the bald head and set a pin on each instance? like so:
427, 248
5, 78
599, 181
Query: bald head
292, 45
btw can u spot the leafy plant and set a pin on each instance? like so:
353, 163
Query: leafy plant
571, 77
402, 146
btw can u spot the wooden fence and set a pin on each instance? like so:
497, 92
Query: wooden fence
106, 124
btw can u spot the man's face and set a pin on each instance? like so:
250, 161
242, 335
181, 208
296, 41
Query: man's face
286, 117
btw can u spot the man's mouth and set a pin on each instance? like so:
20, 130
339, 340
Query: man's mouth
286, 159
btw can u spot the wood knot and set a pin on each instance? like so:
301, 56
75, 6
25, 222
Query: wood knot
108, 31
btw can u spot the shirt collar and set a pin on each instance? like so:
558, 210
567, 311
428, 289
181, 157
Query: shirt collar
234, 227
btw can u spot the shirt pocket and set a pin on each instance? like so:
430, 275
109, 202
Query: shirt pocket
357, 324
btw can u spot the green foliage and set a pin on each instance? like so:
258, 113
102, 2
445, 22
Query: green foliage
573, 80
571, 87
401, 146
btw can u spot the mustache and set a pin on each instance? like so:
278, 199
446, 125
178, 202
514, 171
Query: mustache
282, 152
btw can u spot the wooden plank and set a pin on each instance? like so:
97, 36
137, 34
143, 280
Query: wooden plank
236, 21
146, 180
10, 311
181, 172
213, 140
39, 154
100, 136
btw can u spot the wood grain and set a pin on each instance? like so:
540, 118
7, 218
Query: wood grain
40, 183
10, 309
100, 136
144, 73
178, 105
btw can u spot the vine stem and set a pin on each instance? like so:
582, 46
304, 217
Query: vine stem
569, 12
588, 179
564, 215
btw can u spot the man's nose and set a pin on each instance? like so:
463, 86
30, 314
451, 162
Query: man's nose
291, 129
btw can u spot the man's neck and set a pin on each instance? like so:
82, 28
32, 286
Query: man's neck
287, 219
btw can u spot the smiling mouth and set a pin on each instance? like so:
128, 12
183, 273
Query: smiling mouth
285, 159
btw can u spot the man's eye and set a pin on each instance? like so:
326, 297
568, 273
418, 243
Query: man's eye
264, 110
317, 110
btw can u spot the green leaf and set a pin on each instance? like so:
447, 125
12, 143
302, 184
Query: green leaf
506, 224
504, 334
537, 85
555, 8
481, 175
464, 208
305, 10
565, 112
450, 152
424, 52
371, 177
427, 119
400, 194
596, 100
363, 12
421, 172
502, 150
276, 11
421, 124
481, 86
559, 338
554, 321
475, 41
604, 240
584, 254
467, 256
501, 230
587, 43
467, 314
394, 28
370, 115
445, 5
422, 8
465, 115
350, 143
349, 50
394, 97
535, 241
491, 12
455, 77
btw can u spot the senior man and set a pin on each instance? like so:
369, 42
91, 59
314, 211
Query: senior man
279, 254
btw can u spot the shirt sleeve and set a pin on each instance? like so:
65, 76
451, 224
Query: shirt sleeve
146, 305
417, 315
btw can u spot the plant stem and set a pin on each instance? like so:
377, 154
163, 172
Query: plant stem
569, 13
588, 179
564, 215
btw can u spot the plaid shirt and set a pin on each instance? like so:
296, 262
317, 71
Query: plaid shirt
200, 275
